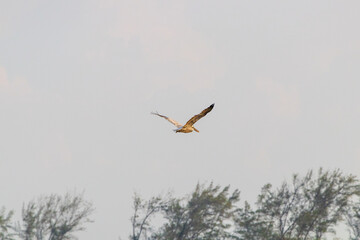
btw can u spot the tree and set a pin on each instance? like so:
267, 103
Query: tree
306, 209
252, 225
353, 220
54, 217
143, 212
205, 215
5, 224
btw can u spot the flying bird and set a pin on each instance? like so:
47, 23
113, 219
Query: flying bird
188, 127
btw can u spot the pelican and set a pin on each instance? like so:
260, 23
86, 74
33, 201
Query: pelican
188, 127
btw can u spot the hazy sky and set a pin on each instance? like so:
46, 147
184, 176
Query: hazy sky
78, 80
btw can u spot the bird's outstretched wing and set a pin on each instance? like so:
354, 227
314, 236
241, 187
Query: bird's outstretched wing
195, 118
169, 119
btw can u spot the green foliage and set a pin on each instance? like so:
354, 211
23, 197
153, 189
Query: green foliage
5, 224
54, 217
305, 209
252, 225
203, 216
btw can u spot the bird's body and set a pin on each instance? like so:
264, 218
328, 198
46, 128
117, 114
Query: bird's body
188, 127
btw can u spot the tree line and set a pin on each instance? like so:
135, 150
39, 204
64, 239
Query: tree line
310, 207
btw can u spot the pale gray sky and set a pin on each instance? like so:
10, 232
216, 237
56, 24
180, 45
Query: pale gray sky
78, 80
